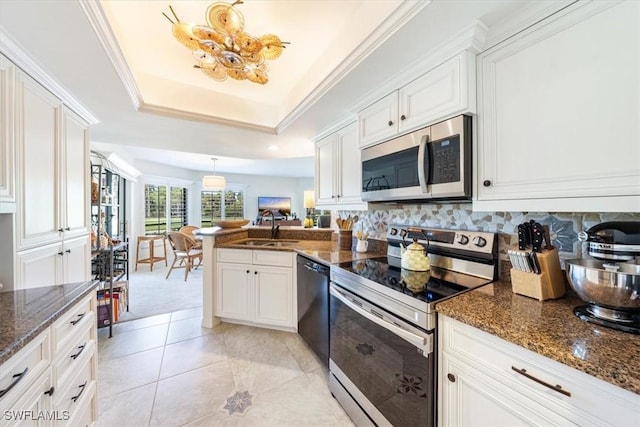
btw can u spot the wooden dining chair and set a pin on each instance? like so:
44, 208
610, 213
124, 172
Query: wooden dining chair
185, 252
188, 230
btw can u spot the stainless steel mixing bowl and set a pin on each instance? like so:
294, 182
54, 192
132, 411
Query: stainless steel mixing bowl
605, 284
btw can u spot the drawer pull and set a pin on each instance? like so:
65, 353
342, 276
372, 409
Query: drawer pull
50, 391
17, 377
80, 316
81, 349
82, 387
556, 387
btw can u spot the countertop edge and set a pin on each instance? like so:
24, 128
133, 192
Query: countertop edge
544, 342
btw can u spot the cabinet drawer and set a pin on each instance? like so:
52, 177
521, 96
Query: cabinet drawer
242, 256
71, 358
19, 372
591, 401
86, 413
273, 258
70, 397
32, 404
72, 323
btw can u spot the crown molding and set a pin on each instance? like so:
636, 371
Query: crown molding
198, 117
382, 33
19, 56
97, 19
471, 38
336, 126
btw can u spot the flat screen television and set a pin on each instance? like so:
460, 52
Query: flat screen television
280, 206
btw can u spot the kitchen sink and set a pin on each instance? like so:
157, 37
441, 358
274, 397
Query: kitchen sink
267, 242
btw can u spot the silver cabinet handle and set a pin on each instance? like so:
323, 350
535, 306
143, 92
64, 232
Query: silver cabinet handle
556, 387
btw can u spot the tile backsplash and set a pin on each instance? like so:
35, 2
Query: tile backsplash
564, 226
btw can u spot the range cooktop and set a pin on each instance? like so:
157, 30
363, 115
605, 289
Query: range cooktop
429, 287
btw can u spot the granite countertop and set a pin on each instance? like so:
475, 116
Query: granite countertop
551, 329
26, 313
323, 251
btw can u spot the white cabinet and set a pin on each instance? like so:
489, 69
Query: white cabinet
53, 157
559, 117
484, 380
255, 287
57, 365
444, 91
54, 264
338, 170
7, 144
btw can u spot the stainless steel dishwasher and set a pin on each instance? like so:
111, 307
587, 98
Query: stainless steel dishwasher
313, 306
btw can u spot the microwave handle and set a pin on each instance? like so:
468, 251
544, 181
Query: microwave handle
423, 157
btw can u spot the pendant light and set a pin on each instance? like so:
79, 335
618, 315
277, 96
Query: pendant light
214, 182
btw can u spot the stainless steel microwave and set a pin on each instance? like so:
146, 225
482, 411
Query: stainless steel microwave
430, 164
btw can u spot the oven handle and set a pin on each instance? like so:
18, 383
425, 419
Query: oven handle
423, 152
421, 342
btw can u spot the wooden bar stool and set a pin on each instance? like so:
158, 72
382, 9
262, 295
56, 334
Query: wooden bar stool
151, 239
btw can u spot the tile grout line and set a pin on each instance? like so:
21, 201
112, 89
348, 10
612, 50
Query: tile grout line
155, 392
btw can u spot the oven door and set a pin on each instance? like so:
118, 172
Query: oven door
385, 364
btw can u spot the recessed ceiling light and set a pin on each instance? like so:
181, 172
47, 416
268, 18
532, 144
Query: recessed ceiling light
273, 148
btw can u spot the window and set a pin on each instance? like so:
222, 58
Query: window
213, 210
157, 207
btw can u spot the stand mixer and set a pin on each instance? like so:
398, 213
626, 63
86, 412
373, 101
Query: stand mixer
610, 281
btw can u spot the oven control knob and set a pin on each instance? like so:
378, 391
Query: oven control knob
479, 241
393, 231
463, 240
403, 233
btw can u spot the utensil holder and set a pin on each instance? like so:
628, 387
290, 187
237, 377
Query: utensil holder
345, 240
549, 284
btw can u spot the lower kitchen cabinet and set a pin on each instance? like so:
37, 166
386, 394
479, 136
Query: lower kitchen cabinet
52, 380
255, 287
485, 380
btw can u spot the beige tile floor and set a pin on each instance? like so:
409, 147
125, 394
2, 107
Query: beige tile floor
167, 370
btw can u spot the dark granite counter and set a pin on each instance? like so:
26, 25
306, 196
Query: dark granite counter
26, 313
551, 329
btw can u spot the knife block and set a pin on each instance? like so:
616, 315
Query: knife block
549, 284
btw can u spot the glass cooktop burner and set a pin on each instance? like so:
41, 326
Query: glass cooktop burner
429, 286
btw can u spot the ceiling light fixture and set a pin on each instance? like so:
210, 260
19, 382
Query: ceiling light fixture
214, 182
223, 49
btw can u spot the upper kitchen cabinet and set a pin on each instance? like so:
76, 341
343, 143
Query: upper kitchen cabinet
53, 159
7, 159
559, 114
444, 91
338, 170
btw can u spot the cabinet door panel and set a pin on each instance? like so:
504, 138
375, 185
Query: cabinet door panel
76, 260
379, 121
474, 399
325, 185
75, 173
7, 142
37, 135
39, 267
274, 295
232, 291
559, 109
350, 177
439, 94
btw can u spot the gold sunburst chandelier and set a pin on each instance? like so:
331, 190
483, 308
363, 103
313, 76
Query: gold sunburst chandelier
222, 48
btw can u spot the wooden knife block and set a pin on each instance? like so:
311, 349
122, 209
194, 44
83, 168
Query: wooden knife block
549, 284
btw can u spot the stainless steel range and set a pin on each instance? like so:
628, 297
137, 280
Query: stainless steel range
383, 322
